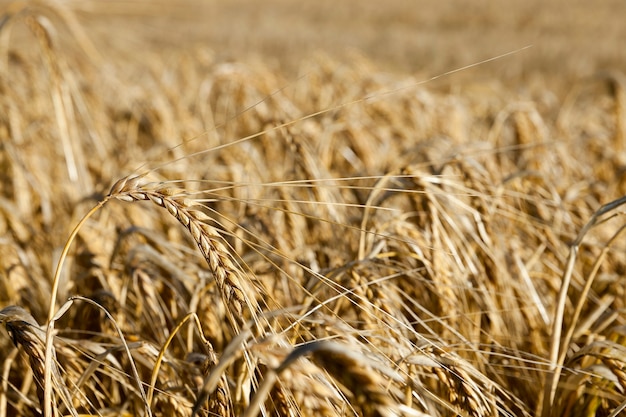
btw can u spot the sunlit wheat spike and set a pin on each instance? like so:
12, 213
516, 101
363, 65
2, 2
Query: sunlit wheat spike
228, 276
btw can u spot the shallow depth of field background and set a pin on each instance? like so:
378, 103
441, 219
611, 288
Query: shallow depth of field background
570, 39
404, 198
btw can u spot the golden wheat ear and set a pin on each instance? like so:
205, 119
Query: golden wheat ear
27, 334
230, 279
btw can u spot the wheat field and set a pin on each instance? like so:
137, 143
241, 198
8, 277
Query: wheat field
222, 209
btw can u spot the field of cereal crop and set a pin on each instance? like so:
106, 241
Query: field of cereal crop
279, 208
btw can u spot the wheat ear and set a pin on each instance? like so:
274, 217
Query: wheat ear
227, 274
26, 332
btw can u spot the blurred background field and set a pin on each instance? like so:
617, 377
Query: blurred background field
570, 39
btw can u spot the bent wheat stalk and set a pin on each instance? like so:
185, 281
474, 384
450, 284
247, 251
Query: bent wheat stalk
227, 275
364, 383
556, 351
